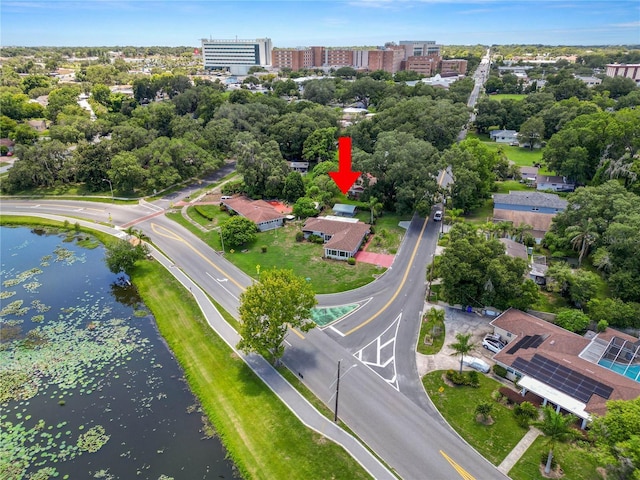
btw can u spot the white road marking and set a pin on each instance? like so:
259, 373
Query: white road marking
335, 322
379, 363
220, 283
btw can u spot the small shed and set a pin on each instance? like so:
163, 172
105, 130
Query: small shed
343, 210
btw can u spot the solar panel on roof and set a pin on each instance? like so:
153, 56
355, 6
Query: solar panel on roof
516, 346
562, 378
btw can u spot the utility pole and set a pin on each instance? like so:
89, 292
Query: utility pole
335, 416
110, 188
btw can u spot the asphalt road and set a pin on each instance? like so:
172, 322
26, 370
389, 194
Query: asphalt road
381, 397
396, 419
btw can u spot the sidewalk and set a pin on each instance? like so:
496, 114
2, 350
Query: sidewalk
300, 407
517, 452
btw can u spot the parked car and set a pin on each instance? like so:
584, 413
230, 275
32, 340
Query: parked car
437, 216
476, 363
490, 343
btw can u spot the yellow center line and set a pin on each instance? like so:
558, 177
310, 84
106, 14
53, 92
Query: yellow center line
406, 273
463, 473
160, 230
397, 292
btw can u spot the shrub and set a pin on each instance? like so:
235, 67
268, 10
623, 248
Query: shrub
455, 377
500, 371
470, 378
602, 325
484, 409
474, 379
299, 236
351, 261
511, 395
525, 413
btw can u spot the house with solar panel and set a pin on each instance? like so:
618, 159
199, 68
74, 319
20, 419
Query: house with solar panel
576, 374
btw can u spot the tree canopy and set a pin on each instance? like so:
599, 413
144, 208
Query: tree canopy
278, 301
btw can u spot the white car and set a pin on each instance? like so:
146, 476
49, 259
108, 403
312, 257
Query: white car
437, 216
476, 363
492, 344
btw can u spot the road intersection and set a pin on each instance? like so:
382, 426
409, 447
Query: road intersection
382, 400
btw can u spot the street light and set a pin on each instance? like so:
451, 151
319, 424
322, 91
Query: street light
221, 238
110, 188
335, 413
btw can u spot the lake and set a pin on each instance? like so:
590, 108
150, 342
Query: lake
88, 387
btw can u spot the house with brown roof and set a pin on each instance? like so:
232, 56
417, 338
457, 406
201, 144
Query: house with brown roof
342, 236
574, 373
263, 214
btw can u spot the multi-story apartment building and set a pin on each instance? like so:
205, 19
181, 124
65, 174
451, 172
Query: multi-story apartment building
624, 70
236, 56
420, 56
449, 68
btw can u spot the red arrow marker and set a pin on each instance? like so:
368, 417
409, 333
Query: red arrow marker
344, 177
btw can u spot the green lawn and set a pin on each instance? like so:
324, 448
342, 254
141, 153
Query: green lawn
577, 462
436, 330
457, 405
304, 258
522, 157
261, 435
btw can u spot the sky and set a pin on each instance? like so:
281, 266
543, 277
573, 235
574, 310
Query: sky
326, 23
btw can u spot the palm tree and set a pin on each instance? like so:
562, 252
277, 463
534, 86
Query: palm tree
582, 237
557, 428
375, 206
503, 228
488, 229
139, 234
462, 346
519, 231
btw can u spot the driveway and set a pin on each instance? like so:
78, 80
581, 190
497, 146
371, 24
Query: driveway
456, 321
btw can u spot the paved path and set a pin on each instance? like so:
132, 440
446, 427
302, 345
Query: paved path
298, 405
380, 259
517, 452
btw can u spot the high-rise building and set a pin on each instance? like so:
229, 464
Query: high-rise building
420, 48
236, 56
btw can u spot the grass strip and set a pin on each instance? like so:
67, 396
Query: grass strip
457, 406
576, 461
261, 435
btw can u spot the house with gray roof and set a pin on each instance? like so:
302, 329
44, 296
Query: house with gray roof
554, 183
504, 136
342, 237
528, 207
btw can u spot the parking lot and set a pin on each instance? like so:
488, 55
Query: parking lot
457, 321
